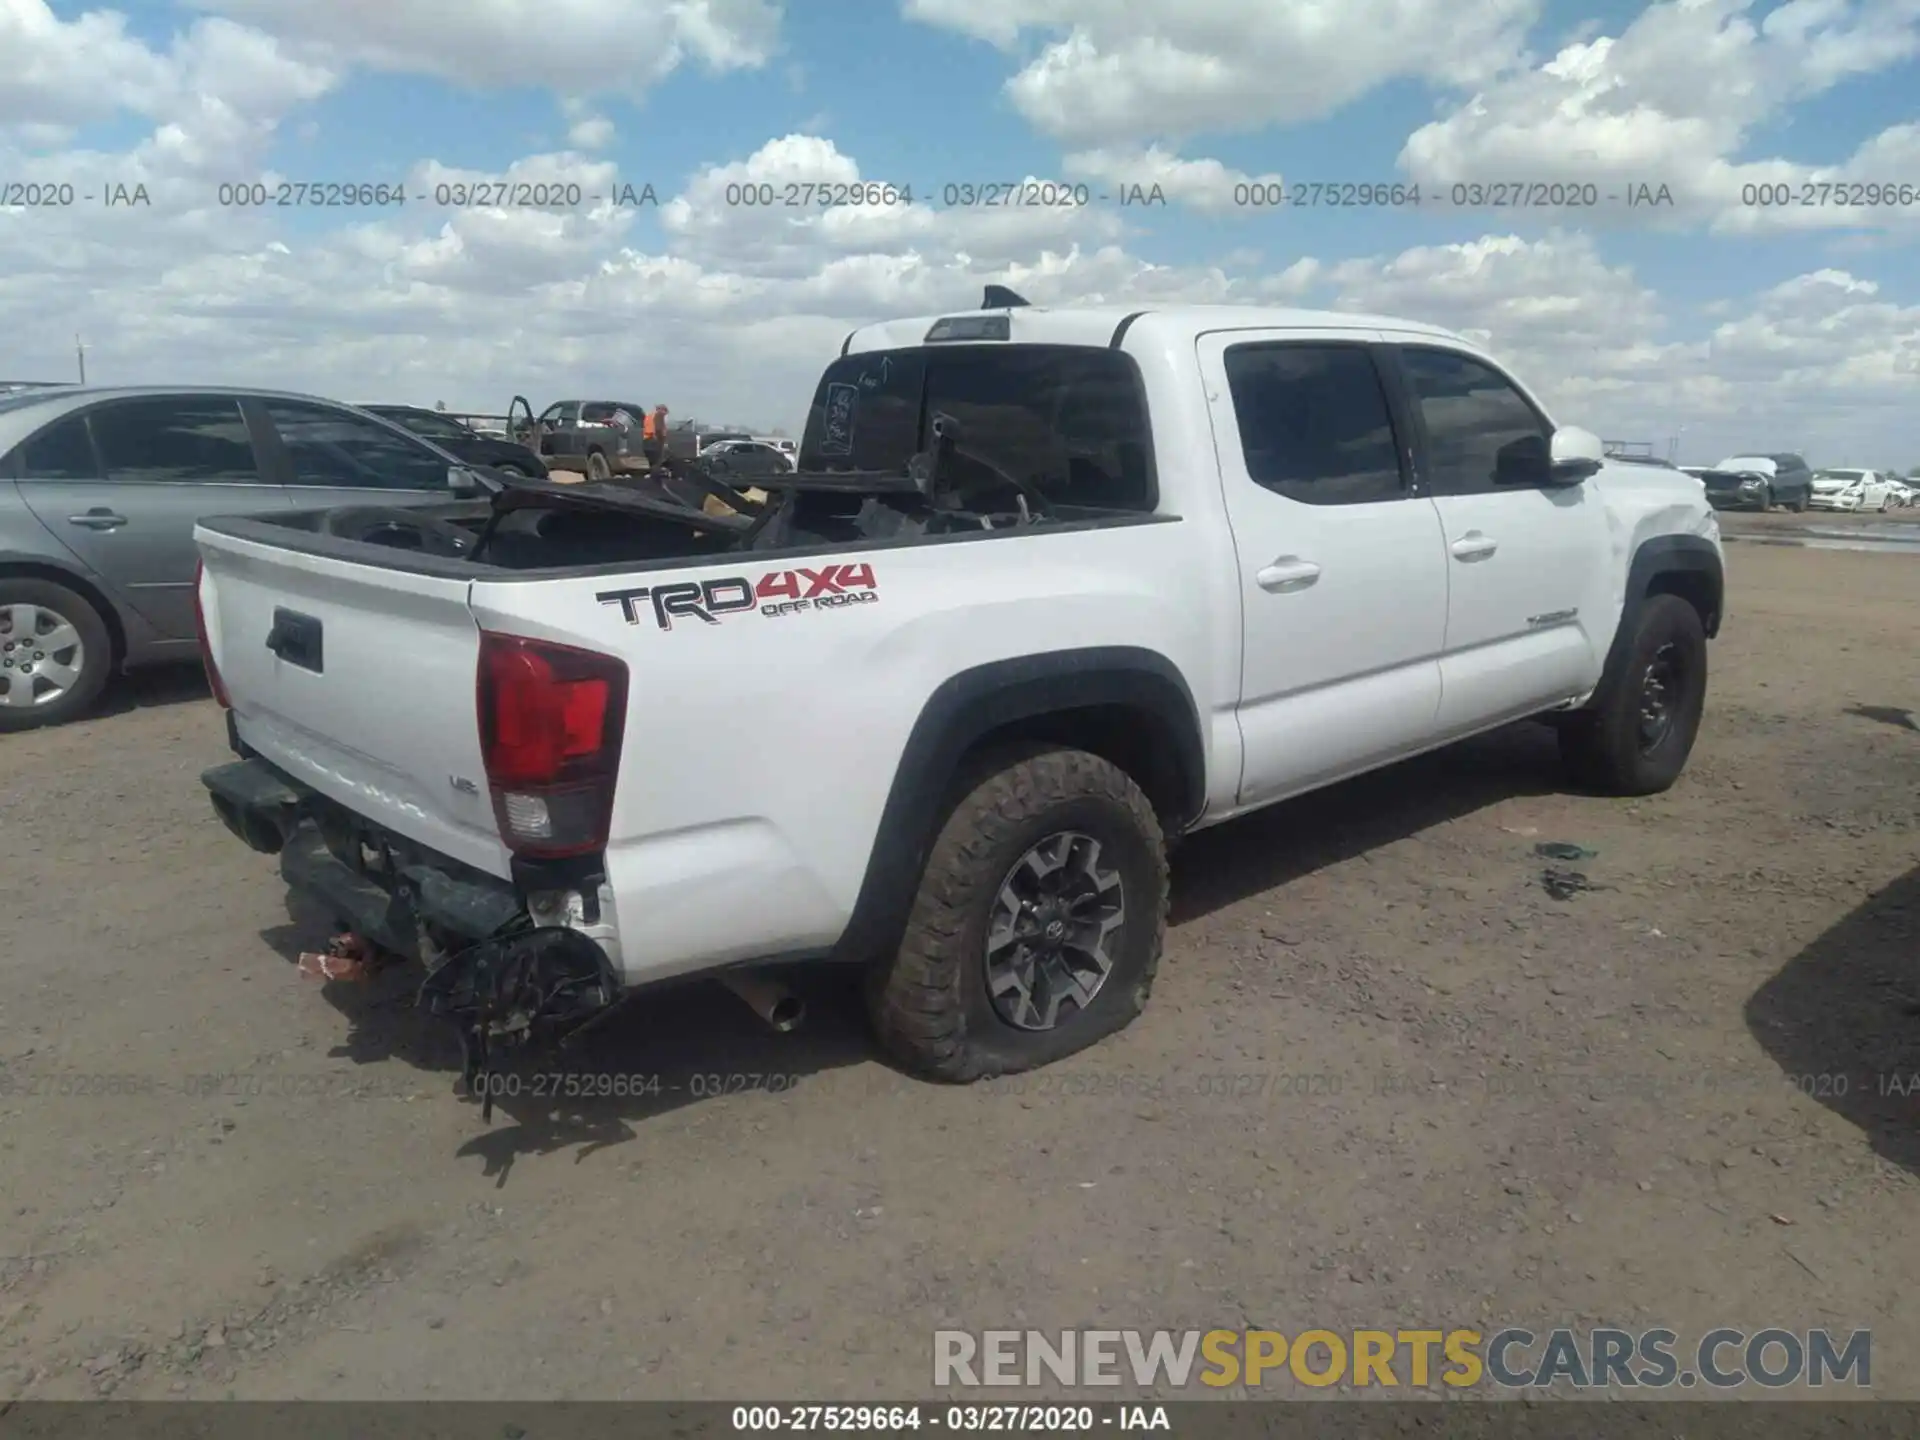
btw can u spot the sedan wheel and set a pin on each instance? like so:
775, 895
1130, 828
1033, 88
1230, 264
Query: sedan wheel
55, 654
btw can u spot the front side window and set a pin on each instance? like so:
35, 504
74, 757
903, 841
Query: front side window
1071, 421
188, 440
1482, 433
335, 449
1314, 424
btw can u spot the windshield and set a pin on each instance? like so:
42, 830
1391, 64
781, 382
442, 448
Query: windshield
1840, 477
1069, 420
434, 427
1747, 462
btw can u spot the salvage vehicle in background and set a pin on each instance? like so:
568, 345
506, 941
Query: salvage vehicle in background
99, 493
1048, 588
494, 452
1853, 490
582, 435
1784, 480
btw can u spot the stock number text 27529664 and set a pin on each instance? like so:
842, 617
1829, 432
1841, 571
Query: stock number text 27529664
303, 194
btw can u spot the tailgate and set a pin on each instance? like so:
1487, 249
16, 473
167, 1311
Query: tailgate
358, 680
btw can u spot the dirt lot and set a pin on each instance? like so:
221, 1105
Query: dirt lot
1385, 1080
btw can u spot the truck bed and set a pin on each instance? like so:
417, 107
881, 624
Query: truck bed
542, 530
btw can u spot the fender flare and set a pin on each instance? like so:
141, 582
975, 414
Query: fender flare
971, 706
1662, 555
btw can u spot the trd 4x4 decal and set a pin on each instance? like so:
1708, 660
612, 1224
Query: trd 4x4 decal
778, 592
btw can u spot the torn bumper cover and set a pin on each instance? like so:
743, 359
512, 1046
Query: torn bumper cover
504, 980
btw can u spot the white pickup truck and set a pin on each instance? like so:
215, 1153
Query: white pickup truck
1048, 589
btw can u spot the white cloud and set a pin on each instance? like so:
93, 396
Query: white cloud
1675, 99
219, 89
1114, 73
573, 47
593, 132
1204, 185
585, 129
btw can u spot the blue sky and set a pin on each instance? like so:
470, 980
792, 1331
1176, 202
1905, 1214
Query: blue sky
1421, 93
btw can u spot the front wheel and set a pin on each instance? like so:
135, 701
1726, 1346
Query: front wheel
1637, 739
1038, 923
55, 654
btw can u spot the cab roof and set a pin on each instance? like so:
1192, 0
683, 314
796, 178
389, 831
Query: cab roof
1102, 325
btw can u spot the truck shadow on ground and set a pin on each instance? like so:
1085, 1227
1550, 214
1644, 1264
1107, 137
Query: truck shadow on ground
664, 1048
679, 1045
1842, 1020
1228, 863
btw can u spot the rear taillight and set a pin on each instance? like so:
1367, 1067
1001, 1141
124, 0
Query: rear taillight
551, 720
206, 644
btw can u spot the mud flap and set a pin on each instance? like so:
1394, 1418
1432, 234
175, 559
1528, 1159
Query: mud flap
525, 990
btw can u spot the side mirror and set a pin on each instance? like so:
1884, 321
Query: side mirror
1575, 455
463, 482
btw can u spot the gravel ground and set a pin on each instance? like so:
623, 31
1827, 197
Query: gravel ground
1385, 1079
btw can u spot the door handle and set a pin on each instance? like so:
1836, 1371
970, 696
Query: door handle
1287, 573
1473, 546
98, 518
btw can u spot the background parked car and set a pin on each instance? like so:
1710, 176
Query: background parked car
470, 445
1786, 481
1903, 491
99, 492
749, 458
1853, 490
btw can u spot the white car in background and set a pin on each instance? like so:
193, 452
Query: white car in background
1905, 492
1853, 490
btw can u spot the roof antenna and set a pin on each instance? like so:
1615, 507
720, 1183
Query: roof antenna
998, 297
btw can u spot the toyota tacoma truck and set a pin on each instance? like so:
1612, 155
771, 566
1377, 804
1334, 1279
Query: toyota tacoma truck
1048, 589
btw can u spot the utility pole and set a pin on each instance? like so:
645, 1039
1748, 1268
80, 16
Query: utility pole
80, 354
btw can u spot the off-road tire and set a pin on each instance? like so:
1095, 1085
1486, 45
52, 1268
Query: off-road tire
97, 660
597, 466
1601, 748
1799, 507
929, 1002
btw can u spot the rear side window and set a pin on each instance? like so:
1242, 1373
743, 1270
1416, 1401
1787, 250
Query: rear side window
1069, 420
1314, 423
62, 451
188, 440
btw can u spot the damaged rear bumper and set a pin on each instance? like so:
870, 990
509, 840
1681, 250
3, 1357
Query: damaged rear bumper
275, 816
511, 966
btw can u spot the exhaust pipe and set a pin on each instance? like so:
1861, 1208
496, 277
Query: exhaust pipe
772, 1001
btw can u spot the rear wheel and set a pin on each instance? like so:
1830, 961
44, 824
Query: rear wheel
1799, 506
1637, 740
1038, 923
597, 467
514, 470
55, 654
